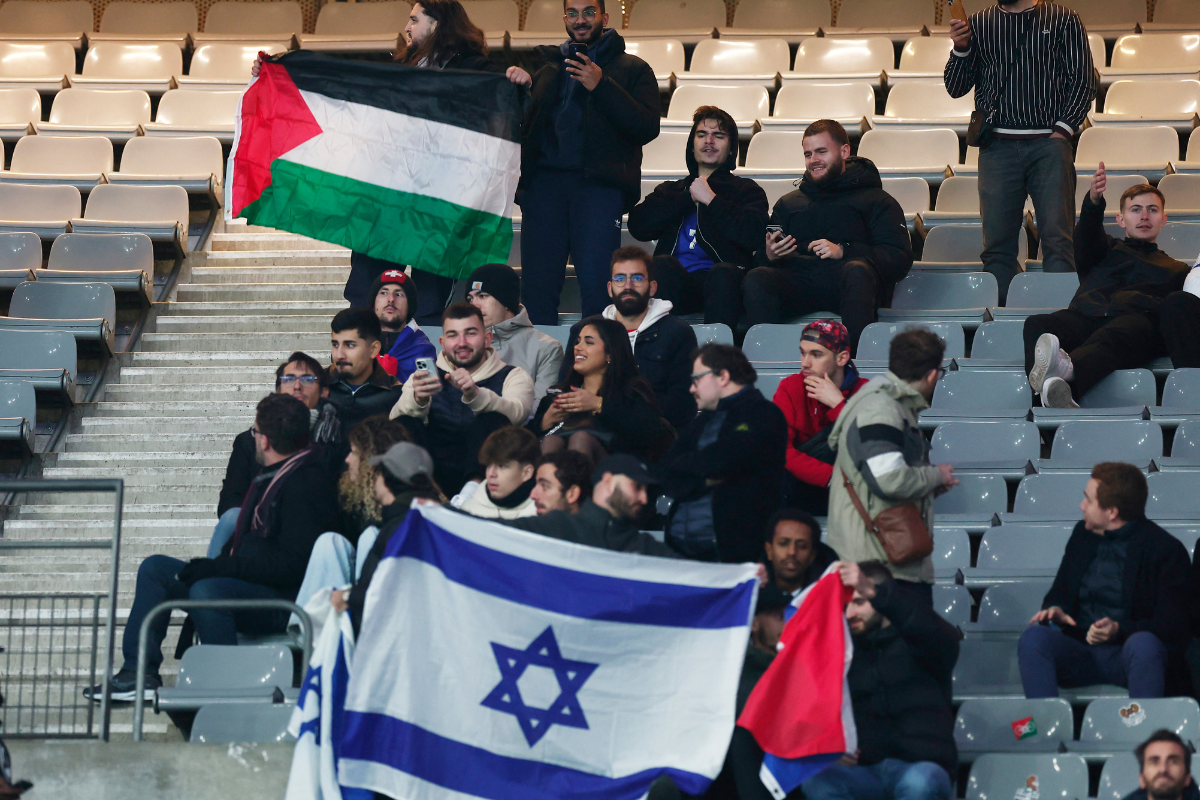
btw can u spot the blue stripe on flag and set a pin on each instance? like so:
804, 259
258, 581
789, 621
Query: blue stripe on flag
471, 770
564, 591
789, 773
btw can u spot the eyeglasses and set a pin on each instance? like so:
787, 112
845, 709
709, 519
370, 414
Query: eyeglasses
637, 280
307, 380
588, 13
696, 377
255, 431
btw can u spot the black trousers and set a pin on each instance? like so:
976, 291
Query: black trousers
1179, 321
433, 291
852, 288
716, 292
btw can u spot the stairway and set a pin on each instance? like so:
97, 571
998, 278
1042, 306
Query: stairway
167, 424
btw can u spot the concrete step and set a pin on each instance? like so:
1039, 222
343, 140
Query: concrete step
205, 491
247, 323
179, 408
275, 258
257, 308
195, 393
219, 358
216, 292
133, 530
200, 342
269, 241
131, 512
228, 426
133, 459
173, 480
188, 375
283, 274
133, 446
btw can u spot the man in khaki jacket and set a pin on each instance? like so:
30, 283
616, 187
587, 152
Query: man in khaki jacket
884, 455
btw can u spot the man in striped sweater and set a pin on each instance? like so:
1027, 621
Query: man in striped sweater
1031, 68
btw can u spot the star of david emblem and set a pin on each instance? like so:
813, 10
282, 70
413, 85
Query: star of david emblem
571, 675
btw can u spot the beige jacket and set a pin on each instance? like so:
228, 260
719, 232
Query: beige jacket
515, 400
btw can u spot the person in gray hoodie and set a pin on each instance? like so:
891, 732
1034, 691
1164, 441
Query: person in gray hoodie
495, 289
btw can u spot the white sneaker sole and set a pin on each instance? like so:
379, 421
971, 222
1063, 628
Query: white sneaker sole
1056, 393
1043, 356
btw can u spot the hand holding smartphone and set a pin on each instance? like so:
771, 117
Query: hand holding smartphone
957, 11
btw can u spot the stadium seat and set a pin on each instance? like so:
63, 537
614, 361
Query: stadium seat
1048, 497
20, 109
45, 359
768, 382
973, 503
124, 261
924, 154
1008, 607
87, 311
1134, 149
225, 65
1115, 186
33, 20
1153, 56
1173, 495
271, 21
160, 212
43, 66
664, 155
18, 416
151, 67
1003, 448
953, 603
911, 193
1081, 444
690, 21
1182, 194
995, 775
195, 163
715, 332
986, 669
44, 210
773, 346
665, 57
258, 723
951, 554
1119, 777
1037, 293
745, 104
754, 62
20, 255
1109, 16
147, 22
1014, 553
792, 19
897, 19
1180, 240
943, 297
79, 162
187, 112
114, 114
978, 395
826, 59
494, 17
800, 104
957, 204
997, 345
916, 105
877, 337
1115, 725
357, 27
776, 150
1180, 399
923, 58
1170, 102
227, 675
1181, 14
544, 26
1125, 393
996, 726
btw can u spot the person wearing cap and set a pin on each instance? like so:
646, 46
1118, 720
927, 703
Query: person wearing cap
811, 402
725, 470
358, 384
403, 342
495, 289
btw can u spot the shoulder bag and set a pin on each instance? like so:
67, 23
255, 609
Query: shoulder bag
900, 529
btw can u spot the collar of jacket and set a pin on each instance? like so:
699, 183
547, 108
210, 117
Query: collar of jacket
607, 47
379, 377
515, 498
859, 173
657, 310
484, 370
738, 398
1141, 245
512, 325
902, 392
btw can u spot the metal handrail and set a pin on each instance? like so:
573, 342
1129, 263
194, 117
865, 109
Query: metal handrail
139, 701
117, 487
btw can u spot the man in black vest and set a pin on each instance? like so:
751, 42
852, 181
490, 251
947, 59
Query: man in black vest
472, 394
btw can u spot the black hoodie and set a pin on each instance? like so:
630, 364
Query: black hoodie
729, 229
853, 211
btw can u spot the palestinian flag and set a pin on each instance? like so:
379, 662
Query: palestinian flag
415, 166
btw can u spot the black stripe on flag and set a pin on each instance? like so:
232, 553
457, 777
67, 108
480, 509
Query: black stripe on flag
483, 102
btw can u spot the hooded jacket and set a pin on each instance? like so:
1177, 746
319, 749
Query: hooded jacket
619, 116
853, 211
729, 229
517, 342
354, 404
886, 458
806, 418
514, 400
516, 505
595, 527
409, 344
1119, 276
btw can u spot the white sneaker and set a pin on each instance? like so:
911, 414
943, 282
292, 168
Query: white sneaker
1049, 361
1056, 393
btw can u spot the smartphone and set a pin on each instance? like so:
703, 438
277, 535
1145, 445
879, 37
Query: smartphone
957, 10
577, 48
772, 230
553, 391
425, 364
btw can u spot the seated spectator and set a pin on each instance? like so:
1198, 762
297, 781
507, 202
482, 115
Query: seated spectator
394, 295
844, 243
899, 679
303, 377
609, 518
1164, 769
811, 402
509, 455
1129, 304
358, 384
289, 505
563, 481
707, 225
473, 394
1116, 611
495, 289
661, 343
796, 556
602, 405
724, 473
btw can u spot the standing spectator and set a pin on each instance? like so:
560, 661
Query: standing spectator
811, 402
563, 481
725, 470
594, 106
707, 225
1116, 611
603, 405
1031, 68
1119, 316
884, 457
359, 386
509, 456
1164, 768
495, 289
473, 393
843, 245
796, 556
394, 294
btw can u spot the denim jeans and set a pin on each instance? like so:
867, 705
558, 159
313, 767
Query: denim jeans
223, 532
1049, 659
890, 779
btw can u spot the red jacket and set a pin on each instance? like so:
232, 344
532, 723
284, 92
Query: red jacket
805, 417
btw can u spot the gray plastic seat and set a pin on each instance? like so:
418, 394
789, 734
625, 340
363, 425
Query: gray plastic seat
975, 500
1185, 449
986, 726
1083, 444
87, 311
1037, 293
44, 210
125, 261
1115, 725
44, 359
999, 344
561, 333
962, 244
1173, 495
160, 212
1123, 394
987, 669
1048, 777
938, 297
717, 332
773, 346
259, 724
1008, 446
1015, 553
978, 395
1119, 777
877, 338
1048, 496
1008, 607
18, 415
1180, 240
768, 382
228, 674
20, 255
1180, 398
953, 603
951, 553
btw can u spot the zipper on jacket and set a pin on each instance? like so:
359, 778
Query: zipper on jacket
699, 233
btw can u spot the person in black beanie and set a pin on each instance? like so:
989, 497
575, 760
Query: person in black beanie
395, 296
495, 289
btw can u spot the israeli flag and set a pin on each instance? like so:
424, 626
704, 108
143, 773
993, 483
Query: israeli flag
501, 664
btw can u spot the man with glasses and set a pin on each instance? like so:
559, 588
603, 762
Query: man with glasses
725, 470
593, 107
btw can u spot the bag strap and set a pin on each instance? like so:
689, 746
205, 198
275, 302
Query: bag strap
862, 512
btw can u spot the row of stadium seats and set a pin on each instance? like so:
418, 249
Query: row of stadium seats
85, 161
120, 114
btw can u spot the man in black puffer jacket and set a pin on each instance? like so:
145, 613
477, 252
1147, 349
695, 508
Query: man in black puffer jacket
708, 225
904, 655
843, 245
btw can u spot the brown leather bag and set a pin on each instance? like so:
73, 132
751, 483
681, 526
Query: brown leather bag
900, 529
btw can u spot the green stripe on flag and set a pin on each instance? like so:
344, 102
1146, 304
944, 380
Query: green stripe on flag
430, 234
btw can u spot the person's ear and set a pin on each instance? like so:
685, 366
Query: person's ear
487, 337
653, 288
845, 151
526, 472
325, 392
843, 358
572, 495
376, 346
610, 289
604, 20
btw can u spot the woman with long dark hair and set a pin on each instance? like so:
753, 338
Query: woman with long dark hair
603, 405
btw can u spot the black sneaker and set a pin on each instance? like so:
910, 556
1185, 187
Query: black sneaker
122, 688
